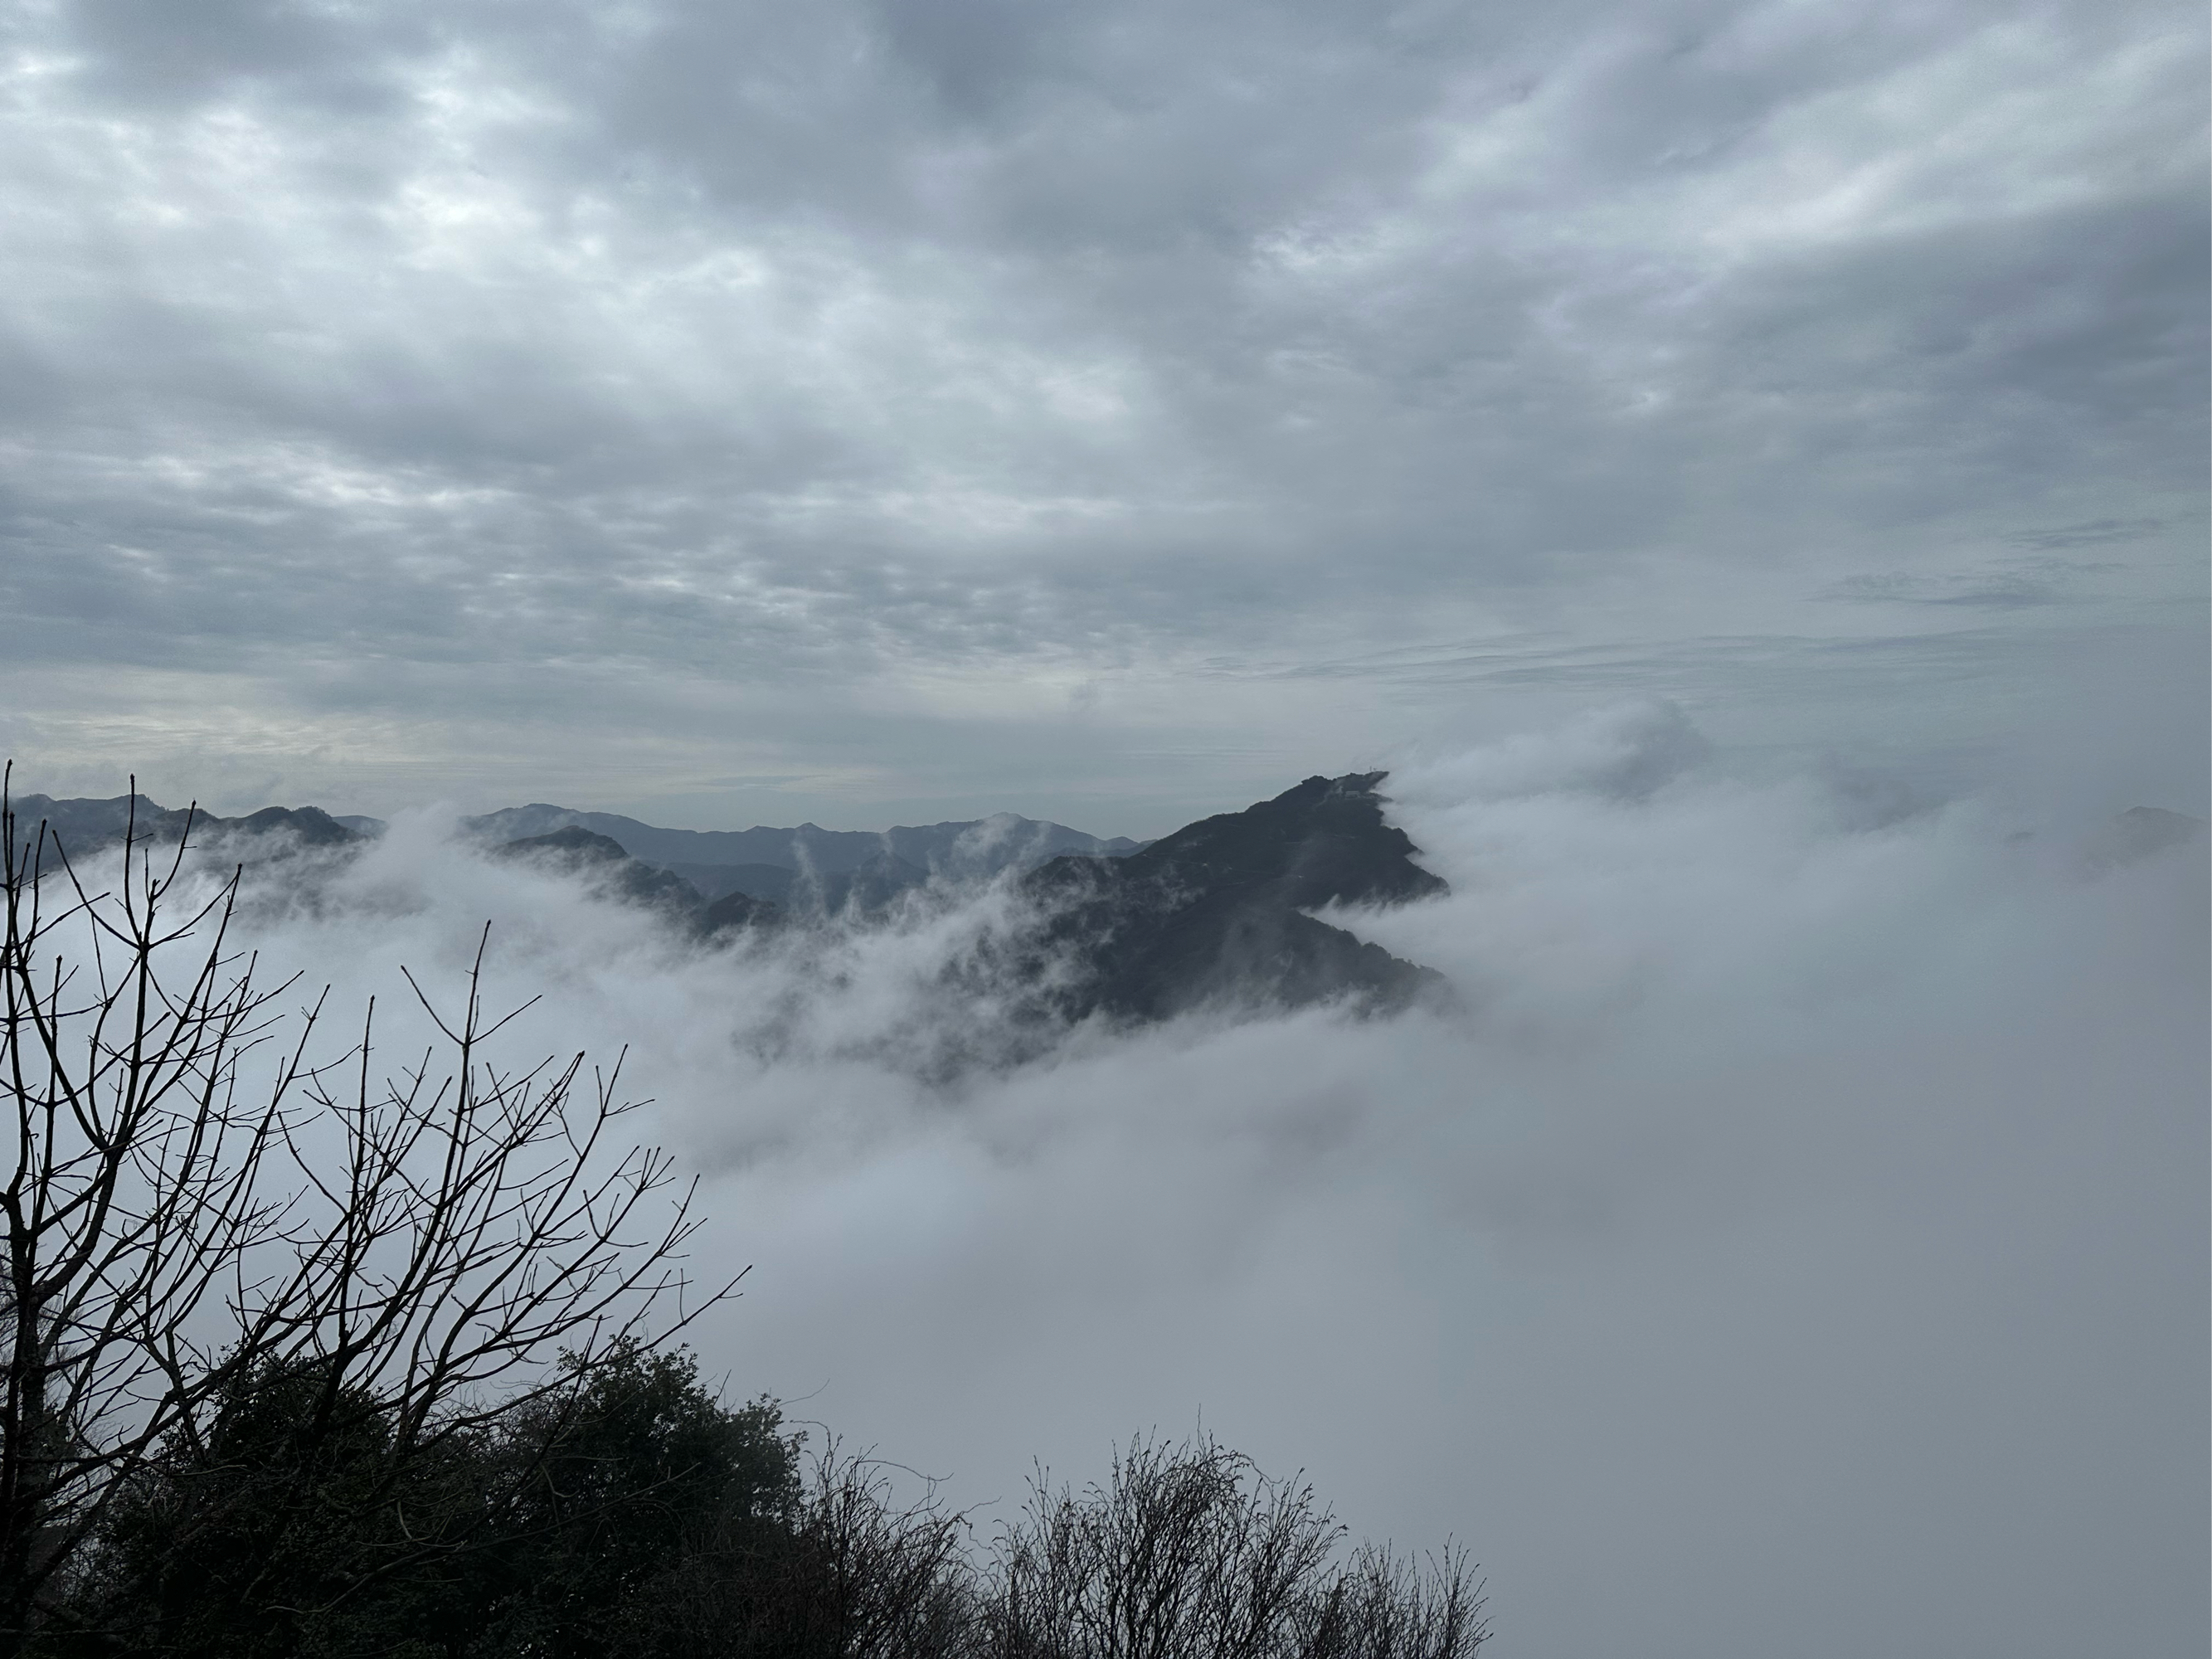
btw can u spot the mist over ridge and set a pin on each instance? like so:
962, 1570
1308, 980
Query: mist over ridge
1216, 917
1798, 1200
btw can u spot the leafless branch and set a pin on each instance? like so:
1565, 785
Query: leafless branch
422, 1244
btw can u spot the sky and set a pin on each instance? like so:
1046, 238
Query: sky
862, 413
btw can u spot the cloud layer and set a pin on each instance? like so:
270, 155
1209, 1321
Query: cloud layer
731, 412
1797, 1235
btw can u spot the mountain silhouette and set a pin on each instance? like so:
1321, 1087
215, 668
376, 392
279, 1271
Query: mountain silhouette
85, 826
1215, 913
577, 851
966, 849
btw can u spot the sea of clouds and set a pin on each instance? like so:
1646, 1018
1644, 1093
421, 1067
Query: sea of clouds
1793, 1241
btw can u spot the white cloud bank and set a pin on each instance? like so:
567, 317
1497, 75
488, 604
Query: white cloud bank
1797, 1244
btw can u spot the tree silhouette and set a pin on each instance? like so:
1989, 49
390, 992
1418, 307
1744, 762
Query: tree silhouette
198, 1207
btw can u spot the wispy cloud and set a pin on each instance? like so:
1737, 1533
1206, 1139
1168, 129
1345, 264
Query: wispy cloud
866, 379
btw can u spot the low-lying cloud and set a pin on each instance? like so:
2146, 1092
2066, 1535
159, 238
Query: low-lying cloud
1792, 1242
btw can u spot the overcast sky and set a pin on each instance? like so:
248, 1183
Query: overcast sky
732, 412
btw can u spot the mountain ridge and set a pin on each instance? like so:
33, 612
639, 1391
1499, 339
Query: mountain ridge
88, 823
958, 847
1216, 913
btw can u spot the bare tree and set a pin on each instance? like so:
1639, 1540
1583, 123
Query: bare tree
1185, 1553
1188, 1552
1385, 1606
196, 1202
868, 1576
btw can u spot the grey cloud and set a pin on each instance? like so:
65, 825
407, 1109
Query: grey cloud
139, 52
2096, 533
2001, 591
2003, 595
777, 345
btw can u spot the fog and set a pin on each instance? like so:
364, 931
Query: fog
1793, 1241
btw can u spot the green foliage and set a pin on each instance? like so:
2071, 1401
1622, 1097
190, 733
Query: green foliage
630, 1515
290, 1527
633, 1493
571, 1529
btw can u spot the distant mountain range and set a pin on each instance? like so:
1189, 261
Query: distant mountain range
763, 860
85, 825
1218, 913
809, 867
1215, 913
974, 847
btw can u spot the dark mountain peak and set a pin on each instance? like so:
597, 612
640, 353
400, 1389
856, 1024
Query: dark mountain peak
1215, 913
1322, 842
575, 849
735, 910
574, 839
310, 824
